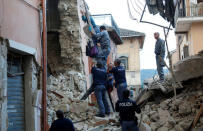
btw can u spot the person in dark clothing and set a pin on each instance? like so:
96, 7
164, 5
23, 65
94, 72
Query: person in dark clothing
120, 78
127, 109
160, 54
99, 81
62, 124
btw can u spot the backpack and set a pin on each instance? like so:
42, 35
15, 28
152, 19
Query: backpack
94, 51
91, 50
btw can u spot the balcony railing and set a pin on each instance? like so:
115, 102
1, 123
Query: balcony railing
195, 10
192, 11
106, 19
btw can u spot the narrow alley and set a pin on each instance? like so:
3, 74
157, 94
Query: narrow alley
101, 65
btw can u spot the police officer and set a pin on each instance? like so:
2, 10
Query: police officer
99, 80
120, 78
127, 109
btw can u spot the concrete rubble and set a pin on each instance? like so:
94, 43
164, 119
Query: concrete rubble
163, 113
160, 112
189, 67
67, 83
64, 93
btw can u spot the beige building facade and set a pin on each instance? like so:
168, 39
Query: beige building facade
20, 65
189, 29
129, 54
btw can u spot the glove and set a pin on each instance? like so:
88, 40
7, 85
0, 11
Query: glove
90, 28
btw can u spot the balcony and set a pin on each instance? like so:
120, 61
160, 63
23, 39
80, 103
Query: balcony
185, 17
108, 21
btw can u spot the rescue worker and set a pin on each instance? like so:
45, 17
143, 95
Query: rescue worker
99, 80
62, 124
160, 54
120, 78
103, 43
127, 109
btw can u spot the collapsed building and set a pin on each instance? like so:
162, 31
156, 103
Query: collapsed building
69, 74
163, 110
68, 66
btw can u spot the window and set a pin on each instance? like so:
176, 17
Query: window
124, 61
186, 51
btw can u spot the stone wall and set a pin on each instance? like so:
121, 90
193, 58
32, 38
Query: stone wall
67, 82
3, 85
64, 43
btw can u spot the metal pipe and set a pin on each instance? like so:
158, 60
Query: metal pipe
44, 79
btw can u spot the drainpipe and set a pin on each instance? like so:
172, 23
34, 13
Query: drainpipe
44, 79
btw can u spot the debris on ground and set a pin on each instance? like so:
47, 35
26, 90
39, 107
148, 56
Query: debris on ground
64, 92
163, 113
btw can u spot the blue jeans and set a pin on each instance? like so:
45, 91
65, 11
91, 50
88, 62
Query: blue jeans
129, 126
120, 88
101, 99
103, 56
96, 29
160, 65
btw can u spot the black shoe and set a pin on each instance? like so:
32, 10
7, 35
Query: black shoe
100, 115
107, 114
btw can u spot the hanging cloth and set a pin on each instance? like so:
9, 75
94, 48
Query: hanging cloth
160, 7
151, 4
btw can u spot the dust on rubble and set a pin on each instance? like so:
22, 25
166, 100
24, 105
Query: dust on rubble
163, 113
64, 93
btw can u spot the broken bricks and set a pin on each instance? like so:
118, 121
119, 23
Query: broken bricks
174, 115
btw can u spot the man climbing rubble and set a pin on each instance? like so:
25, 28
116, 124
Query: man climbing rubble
99, 80
103, 43
120, 78
127, 108
160, 54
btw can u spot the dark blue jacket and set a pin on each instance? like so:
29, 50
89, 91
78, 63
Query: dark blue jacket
160, 47
62, 124
119, 74
110, 81
99, 76
127, 109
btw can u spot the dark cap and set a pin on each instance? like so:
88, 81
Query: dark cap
59, 114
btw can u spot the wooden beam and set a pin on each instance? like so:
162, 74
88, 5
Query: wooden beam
197, 116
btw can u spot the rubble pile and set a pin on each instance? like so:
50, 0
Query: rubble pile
168, 114
64, 93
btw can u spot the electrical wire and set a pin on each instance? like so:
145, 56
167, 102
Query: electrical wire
129, 11
138, 5
140, 2
135, 8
